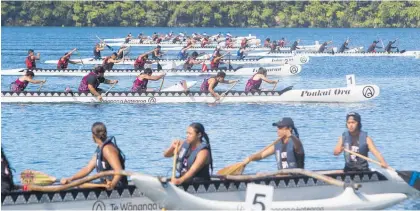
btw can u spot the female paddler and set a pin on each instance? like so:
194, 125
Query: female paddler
194, 159
107, 157
91, 81
140, 84
22, 82
254, 83
209, 84
356, 140
289, 150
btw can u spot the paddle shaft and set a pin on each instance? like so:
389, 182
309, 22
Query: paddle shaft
366, 158
110, 88
174, 162
42, 83
275, 85
224, 93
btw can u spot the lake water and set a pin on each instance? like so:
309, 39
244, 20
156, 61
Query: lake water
56, 139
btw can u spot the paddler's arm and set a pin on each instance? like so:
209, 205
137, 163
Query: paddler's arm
212, 82
106, 81
229, 81
198, 164
154, 77
93, 90
260, 155
339, 147
82, 173
170, 151
111, 155
114, 61
268, 81
376, 152
38, 56
35, 81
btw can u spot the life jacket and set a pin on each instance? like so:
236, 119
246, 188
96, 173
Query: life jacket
107, 65
285, 158
154, 56
353, 163
158, 40
187, 65
205, 85
253, 85
63, 64
83, 87
96, 54
139, 85
266, 44
139, 63
186, 159
18, 86
239, 53
30, 63
243, 43
294, 46
7, 183
281, 43
204, 43
102, 165
371, 48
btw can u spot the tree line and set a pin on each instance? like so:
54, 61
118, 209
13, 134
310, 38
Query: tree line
339, 14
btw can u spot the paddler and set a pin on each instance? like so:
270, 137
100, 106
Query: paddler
121, 52
288, 151
140, 84
22, 82
344, 46
128, 38
30, 59
282, 42
142, 60
323, 46
91, 81
295, 45
241, 53
209, 84
373, 46
64, 61
108, 156
156, 54
389, 47
267, 43
254, 83
7, 184
97, 51
356, 140
182, 55
215, 61
191, 61
109, 61
244, 42
205, 41
194, 160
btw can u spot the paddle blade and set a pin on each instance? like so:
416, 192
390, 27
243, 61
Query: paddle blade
204, 67
235, 169
159, 67
30, 177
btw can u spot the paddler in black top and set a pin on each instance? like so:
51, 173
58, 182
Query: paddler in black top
109, 61
372, 47
97, 51
122, 52
323, 46
389, 47
108, 156
344, 46
194, 160
156, 54
356, 140
128, 38
295, 45
91, 81
288, 151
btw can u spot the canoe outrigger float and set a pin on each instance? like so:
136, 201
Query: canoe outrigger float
298, 59
379, 189
277, 70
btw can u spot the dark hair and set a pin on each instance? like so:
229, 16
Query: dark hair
295, 131
30, 51
199, 128
99, 69
115, 54
30, 73
99, 130
262, 70
221, 74
148, 71
356, 118
195, 54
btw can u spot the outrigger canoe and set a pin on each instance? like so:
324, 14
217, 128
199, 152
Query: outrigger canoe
298, 59
277, 70
382, 184
349, 94
356, 54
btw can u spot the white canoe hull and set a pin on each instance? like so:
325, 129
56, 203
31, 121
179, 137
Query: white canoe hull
284, 190
353, 94
279, 70
171, 197
281, 54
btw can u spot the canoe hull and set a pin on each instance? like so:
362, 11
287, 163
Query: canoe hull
334, 95
281, 54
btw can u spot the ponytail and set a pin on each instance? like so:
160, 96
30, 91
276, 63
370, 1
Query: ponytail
207, 139
295, 131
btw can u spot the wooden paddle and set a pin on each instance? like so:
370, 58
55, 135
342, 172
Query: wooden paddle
81, 183
161, 83
174, 162
238, 168
224, 93
366, 158
110, 88
275, 85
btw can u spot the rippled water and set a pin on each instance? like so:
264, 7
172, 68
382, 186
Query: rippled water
56, 139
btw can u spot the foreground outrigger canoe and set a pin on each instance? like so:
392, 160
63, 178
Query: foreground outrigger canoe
384, 187
278, 70
349, 94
